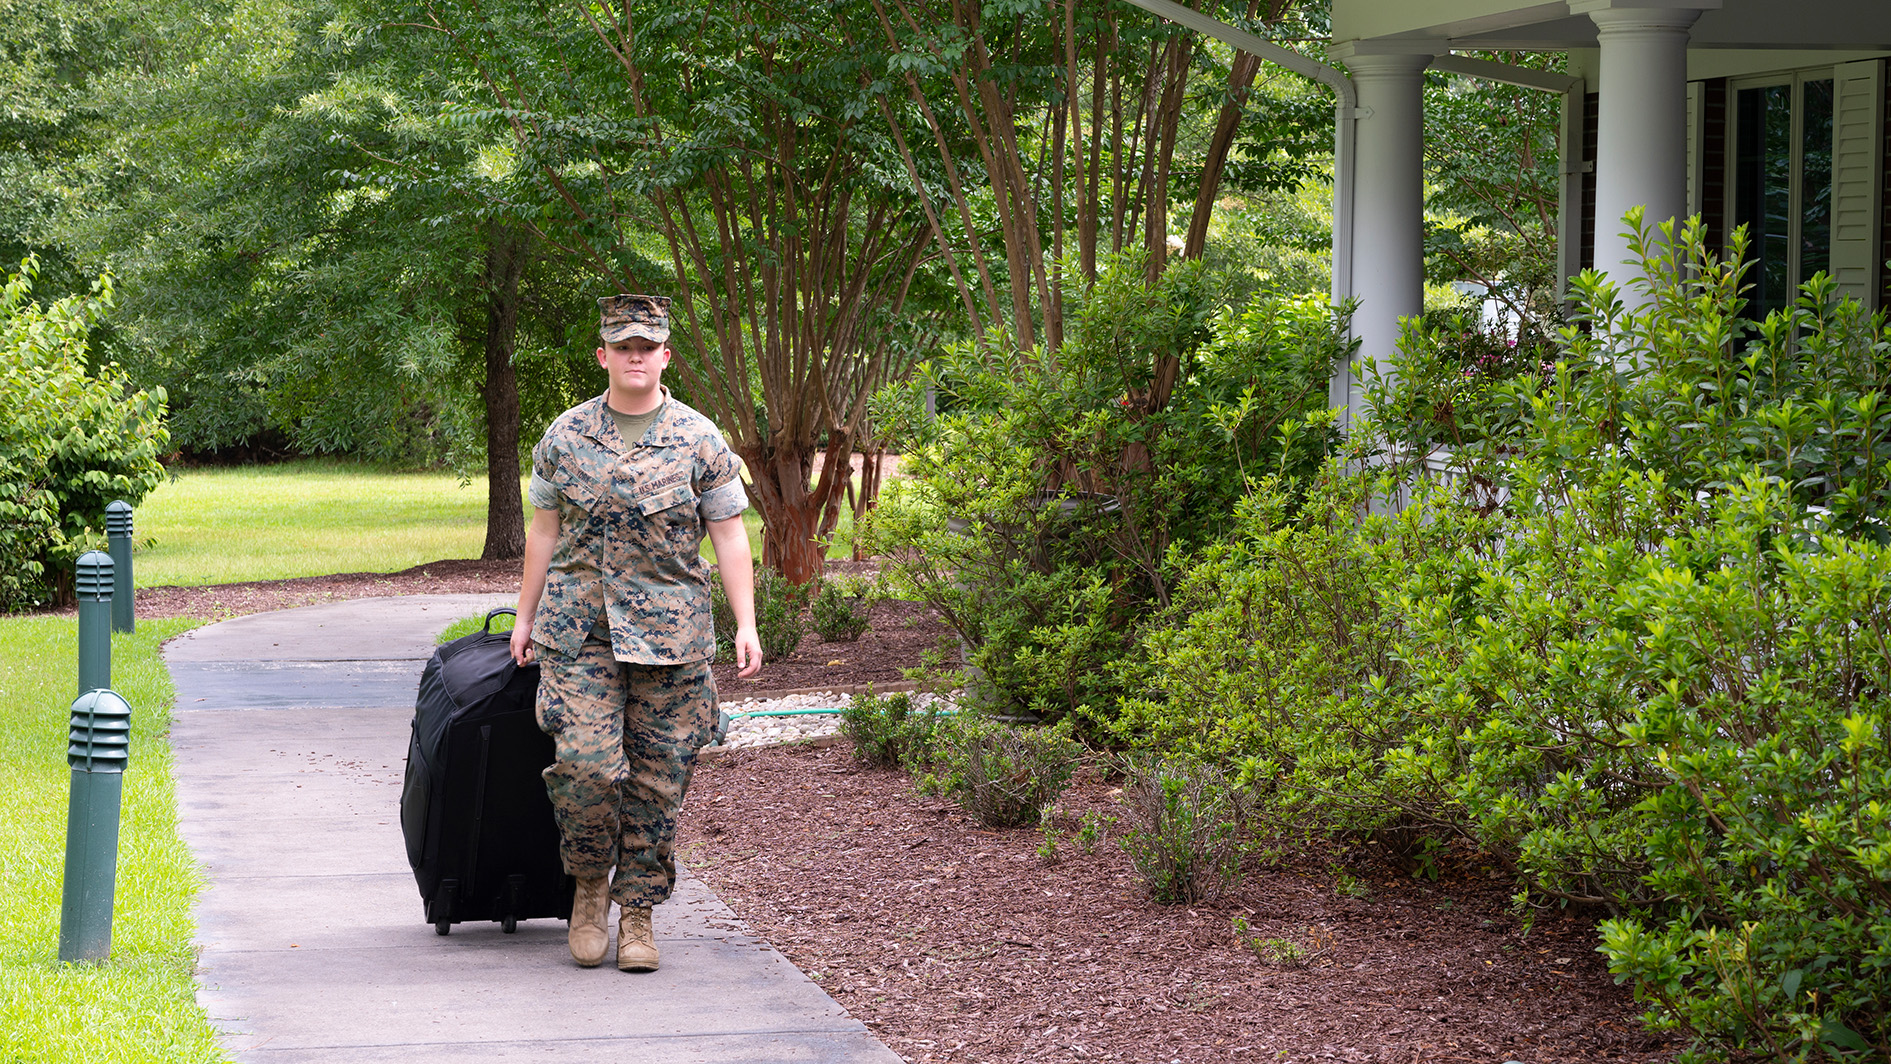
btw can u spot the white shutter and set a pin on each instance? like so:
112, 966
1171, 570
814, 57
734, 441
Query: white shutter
1857, 151
1694, 93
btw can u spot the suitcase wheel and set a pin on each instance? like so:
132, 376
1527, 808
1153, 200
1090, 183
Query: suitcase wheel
442, 906
515, 897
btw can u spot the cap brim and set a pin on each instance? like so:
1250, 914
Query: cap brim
613, 333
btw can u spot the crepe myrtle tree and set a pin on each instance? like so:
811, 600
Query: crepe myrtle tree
730, 155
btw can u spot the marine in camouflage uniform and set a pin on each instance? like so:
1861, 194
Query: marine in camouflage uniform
622, 629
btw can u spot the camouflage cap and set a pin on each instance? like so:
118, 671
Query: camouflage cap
621, 317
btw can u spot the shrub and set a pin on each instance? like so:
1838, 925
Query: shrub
1046, 499
977, 536
1003, 774
1456, 384
1659, 684
1183, 828
1637, 646
71, 439
1276, 661
1049, 639
1681, 384
1683, 724
779, 605
841, 611
779, 621
888, 731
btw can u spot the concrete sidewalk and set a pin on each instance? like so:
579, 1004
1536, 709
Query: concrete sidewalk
290, 737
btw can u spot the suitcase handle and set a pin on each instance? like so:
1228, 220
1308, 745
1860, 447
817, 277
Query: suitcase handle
490, 614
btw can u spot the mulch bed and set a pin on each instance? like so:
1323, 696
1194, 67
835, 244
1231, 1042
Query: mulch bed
956, 943
899, 633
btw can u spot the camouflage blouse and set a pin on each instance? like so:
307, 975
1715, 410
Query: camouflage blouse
631, 521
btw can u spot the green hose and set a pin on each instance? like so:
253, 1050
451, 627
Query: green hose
787, 712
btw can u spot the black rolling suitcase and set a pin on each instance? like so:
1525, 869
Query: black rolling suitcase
478, 824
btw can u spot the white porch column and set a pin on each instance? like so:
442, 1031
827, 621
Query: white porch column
1388, 253
1641, 124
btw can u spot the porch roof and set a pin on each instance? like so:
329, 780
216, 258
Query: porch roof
1507, 25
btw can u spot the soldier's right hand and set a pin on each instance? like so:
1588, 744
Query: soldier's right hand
523, 651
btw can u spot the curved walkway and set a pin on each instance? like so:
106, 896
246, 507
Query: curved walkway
290, 737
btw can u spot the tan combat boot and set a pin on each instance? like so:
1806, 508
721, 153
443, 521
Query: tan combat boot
589, 938
636, 943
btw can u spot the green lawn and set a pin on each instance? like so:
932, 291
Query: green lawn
306, 518
140, 1005
473, 623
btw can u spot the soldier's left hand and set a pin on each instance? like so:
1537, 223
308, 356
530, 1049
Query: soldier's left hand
748, 652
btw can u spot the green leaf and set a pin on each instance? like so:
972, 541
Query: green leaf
1834, 1033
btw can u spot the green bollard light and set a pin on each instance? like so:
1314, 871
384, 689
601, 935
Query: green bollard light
94, 587
118, 541
98, 749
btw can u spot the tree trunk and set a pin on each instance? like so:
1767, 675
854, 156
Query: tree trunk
1227, 123
506, 249
791, 511
1162, 128
1092, 202
871, 471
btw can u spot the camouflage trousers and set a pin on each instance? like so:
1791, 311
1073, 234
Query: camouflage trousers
626, 737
